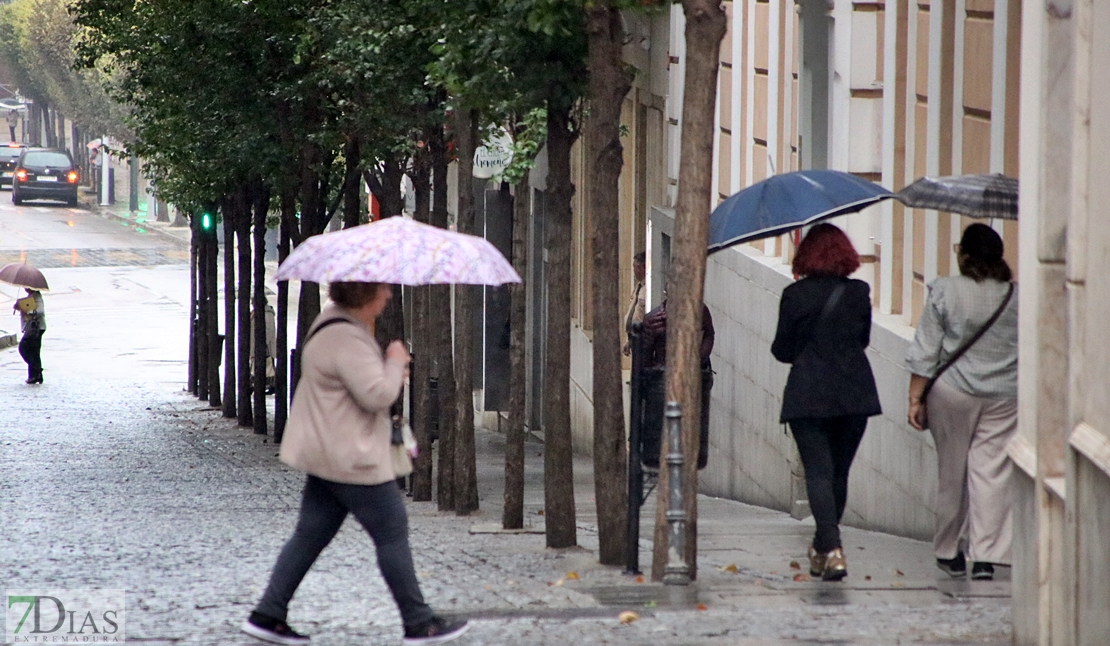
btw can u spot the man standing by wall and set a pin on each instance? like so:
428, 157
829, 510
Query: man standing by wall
635, 313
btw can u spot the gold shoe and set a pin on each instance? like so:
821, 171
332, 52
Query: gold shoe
816, 562
836, 566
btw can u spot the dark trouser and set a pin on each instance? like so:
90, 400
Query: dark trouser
11, 129
651, 433
380, 510
827, 446
30, 348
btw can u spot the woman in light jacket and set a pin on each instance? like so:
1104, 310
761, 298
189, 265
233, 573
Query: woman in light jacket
972, 409
339, 434
824, 329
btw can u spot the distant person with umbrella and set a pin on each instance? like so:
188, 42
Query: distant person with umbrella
13, 121
32, 314
823, 331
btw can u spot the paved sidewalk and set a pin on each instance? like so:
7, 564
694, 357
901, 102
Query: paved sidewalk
112, 477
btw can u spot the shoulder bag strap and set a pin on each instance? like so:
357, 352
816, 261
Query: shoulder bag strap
830, 303
322, 326
967, 344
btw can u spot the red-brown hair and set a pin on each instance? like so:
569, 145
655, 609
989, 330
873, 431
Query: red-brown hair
825, 251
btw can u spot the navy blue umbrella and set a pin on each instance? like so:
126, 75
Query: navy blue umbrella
782, 203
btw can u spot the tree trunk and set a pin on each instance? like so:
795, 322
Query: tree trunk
243, 298
439, 300
705, 26
558, 458
227, 207
200, 252
466, 480
420, 334
352, 183
194, 312
281, 383
609, 83
261, 199
213, 323
513, 514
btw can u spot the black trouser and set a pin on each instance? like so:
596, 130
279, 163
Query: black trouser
827, 446
381, 511
30, 348
651, 433
11, 129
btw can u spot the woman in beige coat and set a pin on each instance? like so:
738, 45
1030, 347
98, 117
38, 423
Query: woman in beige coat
339, 433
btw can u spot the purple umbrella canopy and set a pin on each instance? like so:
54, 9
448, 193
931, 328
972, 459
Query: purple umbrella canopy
24, 275
401, 251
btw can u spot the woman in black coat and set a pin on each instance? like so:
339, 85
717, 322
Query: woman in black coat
824, 328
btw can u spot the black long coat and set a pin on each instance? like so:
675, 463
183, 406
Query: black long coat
831, 375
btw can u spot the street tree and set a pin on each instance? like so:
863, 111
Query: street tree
705, 27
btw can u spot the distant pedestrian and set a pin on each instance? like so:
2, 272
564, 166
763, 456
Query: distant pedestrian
972, 407
339, 434
13, 121
635, 312
823, 331
32, 318
655, 357
270, 325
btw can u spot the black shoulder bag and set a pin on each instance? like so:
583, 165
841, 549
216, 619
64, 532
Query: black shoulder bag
960, 352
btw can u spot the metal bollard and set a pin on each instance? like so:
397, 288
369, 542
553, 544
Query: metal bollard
677, 572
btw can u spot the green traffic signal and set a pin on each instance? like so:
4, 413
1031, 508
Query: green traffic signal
206, 222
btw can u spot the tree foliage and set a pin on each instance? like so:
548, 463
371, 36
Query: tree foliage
37, 41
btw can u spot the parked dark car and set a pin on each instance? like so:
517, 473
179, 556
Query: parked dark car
45, 174
9, 154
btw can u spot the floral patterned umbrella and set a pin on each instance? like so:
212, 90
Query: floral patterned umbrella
398, 250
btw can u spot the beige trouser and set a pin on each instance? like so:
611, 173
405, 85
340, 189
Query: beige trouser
973, 480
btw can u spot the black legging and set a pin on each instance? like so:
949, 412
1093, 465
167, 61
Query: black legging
827, 446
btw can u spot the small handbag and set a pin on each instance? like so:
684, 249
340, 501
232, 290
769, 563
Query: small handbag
959, 353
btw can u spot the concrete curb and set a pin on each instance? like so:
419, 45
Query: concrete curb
177, 235
7, 340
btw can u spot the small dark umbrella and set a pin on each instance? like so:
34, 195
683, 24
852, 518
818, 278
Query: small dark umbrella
782, 203
24, 275
976, 196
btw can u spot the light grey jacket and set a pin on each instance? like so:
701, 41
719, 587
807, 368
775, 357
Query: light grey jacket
339, 424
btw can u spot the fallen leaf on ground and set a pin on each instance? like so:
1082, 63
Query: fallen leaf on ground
650, 604
899, 573
572, 576
867, 578
639, 579
794, 565
801, 577
539, 512
702, 606
731, 567
628, 617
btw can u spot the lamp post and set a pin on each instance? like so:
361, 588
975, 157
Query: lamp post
677, 571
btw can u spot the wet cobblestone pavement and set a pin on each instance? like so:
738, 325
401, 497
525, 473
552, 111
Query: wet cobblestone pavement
112, 477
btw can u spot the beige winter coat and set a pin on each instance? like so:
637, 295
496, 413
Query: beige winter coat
339, 424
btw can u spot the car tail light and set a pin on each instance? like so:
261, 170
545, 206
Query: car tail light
71, 177
21, 175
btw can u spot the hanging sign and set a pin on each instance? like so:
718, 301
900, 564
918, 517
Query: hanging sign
493, 157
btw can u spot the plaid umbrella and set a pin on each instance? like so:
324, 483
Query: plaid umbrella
398, 250
976, 196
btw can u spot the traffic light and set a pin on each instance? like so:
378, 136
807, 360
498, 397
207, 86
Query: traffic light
207, 222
